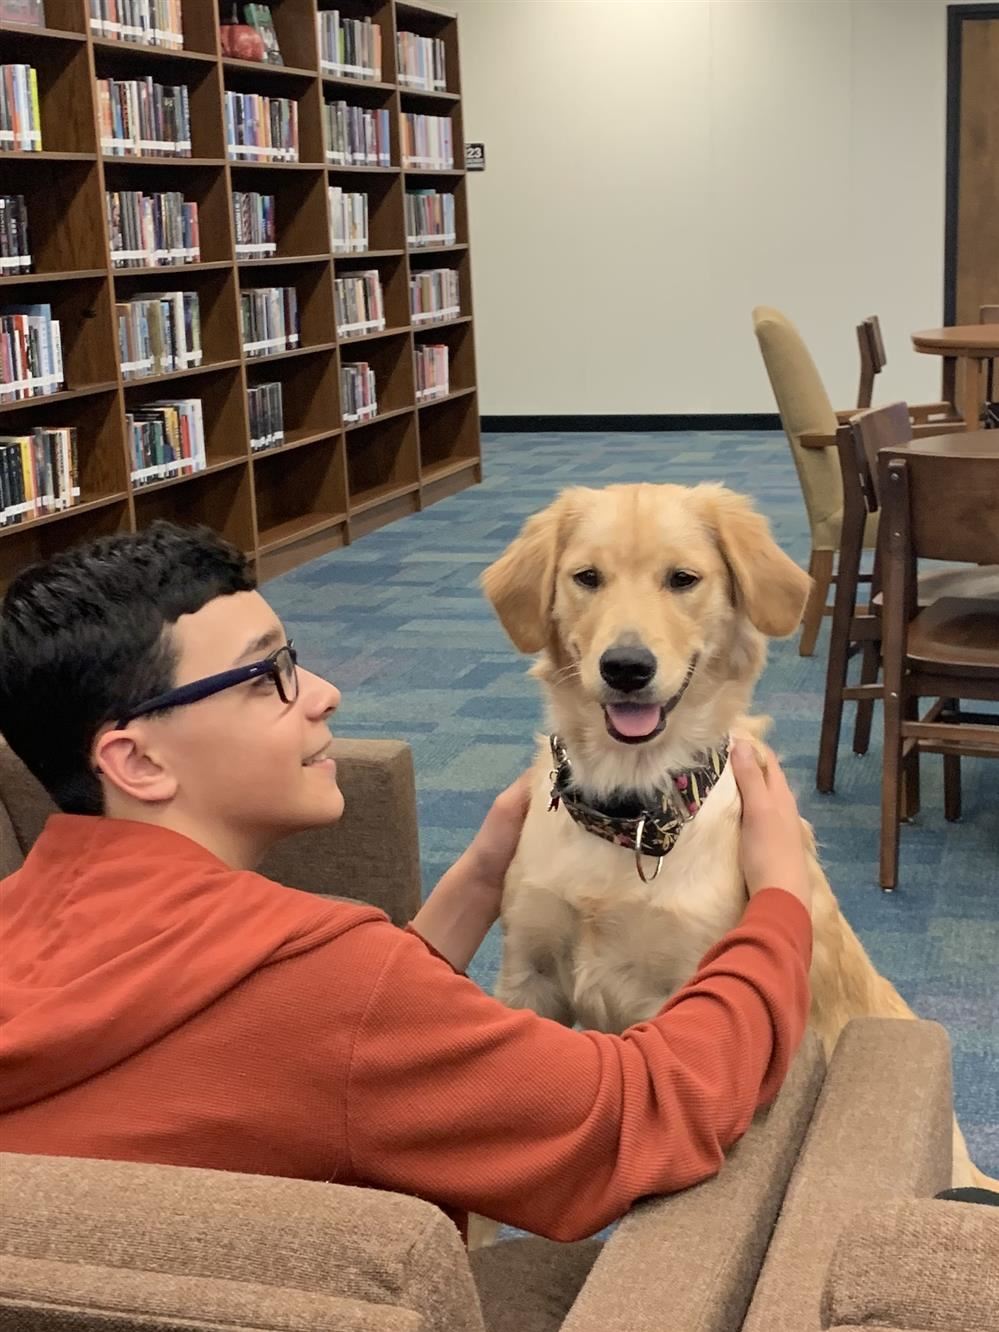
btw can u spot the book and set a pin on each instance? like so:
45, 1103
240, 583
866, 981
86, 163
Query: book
20, 113
143, 118
434, 295
15, 250
430, 218
432, 371
350, 47
30, 352
426, 141
348, 221
152, 22
260, 128
38, 473
359, 391
261, 18
166, 439
356, 136
152, 230
358, 303
422, 62
29, 12
159, 332
255, 221
269, 319
266, 406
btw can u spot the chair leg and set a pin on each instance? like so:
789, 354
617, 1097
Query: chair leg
910, 774
890, 792
870, 664
952, 771
820, 567
844, 609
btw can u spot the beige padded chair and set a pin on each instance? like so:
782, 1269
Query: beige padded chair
810, 423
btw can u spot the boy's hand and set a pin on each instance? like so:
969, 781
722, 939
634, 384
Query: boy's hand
492, 848
772, 850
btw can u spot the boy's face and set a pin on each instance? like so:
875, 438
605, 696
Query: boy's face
243, 759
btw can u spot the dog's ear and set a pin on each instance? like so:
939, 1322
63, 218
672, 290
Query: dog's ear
521, 583
771, 587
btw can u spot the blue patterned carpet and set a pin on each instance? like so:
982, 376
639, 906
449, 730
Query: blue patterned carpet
398, 623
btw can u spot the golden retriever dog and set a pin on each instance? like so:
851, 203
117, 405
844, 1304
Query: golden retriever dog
649, 607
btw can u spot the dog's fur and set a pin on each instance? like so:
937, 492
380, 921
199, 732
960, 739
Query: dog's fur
585, 940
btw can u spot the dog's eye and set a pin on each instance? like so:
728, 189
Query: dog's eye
682, 579
587, 578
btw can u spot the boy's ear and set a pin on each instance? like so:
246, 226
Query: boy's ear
124, 760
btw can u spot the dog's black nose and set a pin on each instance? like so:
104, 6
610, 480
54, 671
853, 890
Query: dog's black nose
627, 668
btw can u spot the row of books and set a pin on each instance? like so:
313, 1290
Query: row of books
356, 135
30, 352
432, 371
266, 416
255, 220
165, 439
20, 112
427, 141
349, 46
422, 61
39, 473
154, 22
358, 391
15, 252
143, 118
358, 303
260, 128
29, 12
150, 230
430, 218
348, 221
159, 332
269, 320
434, 295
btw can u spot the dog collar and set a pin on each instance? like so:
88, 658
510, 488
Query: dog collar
650, 829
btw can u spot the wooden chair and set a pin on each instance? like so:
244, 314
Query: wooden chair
873, 360
857, 629
810, 423
942, 508
989, 314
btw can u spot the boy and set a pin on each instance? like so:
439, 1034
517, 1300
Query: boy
161, 1002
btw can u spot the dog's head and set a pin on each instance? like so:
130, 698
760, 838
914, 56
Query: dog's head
649, 604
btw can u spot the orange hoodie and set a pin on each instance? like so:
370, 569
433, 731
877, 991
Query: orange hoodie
157, 1005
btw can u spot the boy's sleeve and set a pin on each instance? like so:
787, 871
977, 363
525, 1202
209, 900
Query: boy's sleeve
455, 1097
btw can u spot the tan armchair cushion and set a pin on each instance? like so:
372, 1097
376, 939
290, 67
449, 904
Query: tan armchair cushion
805, 409
94, 1245
932, 1266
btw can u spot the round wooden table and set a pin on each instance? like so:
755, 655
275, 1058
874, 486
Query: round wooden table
962, 444
970, 345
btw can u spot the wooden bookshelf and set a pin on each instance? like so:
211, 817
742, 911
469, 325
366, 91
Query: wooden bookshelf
331, 481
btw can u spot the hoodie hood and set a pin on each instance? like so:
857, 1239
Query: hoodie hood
113, 933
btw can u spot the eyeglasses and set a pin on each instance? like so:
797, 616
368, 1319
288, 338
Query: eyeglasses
281, 666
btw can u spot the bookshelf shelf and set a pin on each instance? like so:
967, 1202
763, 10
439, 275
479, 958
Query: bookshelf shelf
222, 465
329, 481
21, 279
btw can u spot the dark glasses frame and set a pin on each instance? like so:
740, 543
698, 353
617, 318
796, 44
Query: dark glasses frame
285, 678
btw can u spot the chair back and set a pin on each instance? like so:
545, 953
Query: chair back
880, 428
949, 505
805, 409
872, 357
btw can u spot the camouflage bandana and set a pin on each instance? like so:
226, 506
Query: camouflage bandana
619, 820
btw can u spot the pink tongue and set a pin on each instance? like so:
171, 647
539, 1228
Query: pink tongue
633, 718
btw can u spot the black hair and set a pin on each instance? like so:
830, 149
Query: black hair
83, 638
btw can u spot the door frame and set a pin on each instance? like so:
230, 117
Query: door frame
957, 15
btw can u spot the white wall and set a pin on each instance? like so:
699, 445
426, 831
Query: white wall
655, 168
